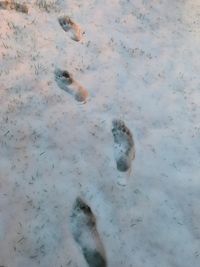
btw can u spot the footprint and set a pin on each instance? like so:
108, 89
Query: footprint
10, 5
123, 145
69, 25
84, 231
67, 83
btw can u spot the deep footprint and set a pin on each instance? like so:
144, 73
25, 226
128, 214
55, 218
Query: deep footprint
7, 5
69, 25
84, 231
67, 83
123, 145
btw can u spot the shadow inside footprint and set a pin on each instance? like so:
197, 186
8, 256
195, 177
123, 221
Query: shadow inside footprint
63, 79
10, 5
94, 258
65, 23
68, 25
123, 145
84, 231
67, 83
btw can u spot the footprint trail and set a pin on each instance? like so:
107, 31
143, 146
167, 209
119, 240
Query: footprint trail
84, 231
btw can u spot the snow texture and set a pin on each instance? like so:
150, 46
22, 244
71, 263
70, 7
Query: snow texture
138, 61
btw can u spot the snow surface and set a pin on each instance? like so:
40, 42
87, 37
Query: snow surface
139, 61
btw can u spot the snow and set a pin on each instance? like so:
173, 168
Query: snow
139, 61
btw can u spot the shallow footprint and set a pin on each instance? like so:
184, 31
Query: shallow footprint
123, 145
67, 83
69, 25
10, 5
84, 231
